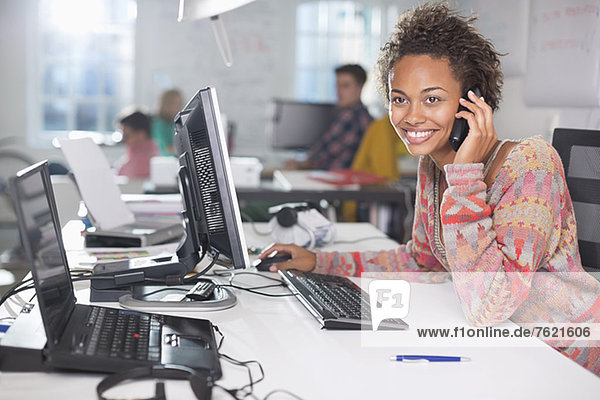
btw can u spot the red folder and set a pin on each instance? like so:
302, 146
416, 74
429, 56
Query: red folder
346, 177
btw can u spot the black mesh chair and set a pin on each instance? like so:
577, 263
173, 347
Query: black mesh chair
580, 153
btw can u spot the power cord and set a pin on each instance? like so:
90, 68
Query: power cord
17, 288
232, 275
194, 278
359, 240
253, 225
248, 389
252, 290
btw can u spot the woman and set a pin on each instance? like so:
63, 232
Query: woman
496, 215
163, 126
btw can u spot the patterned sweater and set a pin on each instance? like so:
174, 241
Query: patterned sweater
510, 249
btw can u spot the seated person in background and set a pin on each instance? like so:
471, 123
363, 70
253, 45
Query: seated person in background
135, 163
496, 215
378, 155
378, 152
163, 125
336, 148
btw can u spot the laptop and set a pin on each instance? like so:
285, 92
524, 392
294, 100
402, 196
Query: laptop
115, 225
92, 338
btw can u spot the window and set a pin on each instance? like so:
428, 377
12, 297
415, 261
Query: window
83, 67
329, 34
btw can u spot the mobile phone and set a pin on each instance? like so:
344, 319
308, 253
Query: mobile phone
460, 129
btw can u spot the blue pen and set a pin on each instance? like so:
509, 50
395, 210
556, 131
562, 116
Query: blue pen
418, 358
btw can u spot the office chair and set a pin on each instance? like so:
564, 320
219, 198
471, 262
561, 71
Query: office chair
580, 153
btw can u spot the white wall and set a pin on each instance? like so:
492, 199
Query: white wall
185, 55
12, 68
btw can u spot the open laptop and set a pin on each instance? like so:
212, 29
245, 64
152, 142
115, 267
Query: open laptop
84, 337
115, 225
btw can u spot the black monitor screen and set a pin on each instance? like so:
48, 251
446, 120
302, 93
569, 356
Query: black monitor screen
42, 242
297, 125
211, 202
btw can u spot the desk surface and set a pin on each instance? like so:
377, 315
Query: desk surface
316, 364
298, 186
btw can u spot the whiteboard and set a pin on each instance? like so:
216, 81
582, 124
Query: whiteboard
504, 23
563, 61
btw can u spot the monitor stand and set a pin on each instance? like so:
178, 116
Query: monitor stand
153, 298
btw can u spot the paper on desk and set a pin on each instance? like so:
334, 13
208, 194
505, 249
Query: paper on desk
89, 257
96, 183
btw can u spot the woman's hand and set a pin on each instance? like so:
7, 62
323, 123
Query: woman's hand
482, 136
302, 259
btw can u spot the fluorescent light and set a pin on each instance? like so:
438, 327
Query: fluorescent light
190, 10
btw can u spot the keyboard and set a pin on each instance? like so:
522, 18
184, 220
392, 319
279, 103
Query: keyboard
335, 301
124, 334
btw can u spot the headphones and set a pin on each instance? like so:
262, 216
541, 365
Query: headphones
201, 382
302, 224
288, 216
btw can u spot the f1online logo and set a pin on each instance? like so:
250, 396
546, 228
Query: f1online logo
389, 299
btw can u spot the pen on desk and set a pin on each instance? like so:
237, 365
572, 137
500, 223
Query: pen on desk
420, 358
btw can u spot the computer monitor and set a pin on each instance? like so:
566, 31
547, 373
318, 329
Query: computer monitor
206, 183
295, 125
211, 215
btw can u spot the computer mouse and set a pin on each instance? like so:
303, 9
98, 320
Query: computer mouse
264, 263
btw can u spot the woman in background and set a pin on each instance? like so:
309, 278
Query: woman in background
496, 215
163, 125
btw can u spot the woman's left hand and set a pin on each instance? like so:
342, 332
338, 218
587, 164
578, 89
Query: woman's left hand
482, 136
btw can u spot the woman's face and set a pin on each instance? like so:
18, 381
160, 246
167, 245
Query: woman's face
423, 102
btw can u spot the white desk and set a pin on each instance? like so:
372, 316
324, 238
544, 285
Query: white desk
316, 364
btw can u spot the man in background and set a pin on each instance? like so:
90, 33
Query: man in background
135, 163
338, 145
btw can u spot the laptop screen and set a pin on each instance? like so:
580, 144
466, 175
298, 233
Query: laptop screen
40, 236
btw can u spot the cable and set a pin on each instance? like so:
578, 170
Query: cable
237, 273
251, 290
17, 288
248, 388
360, 240
169, 288
216, 328
76, 276
253, 225
282, 391
11, 293
254, 289
236, 392
194, 278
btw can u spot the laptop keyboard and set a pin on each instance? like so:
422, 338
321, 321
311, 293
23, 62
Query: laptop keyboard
124, 334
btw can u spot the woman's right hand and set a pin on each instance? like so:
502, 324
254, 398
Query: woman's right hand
302, 259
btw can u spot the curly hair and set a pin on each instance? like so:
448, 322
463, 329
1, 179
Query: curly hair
440, 32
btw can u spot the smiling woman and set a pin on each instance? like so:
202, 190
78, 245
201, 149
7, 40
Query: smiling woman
423, 102
495, 215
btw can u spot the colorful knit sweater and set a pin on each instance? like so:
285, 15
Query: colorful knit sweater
510, 249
